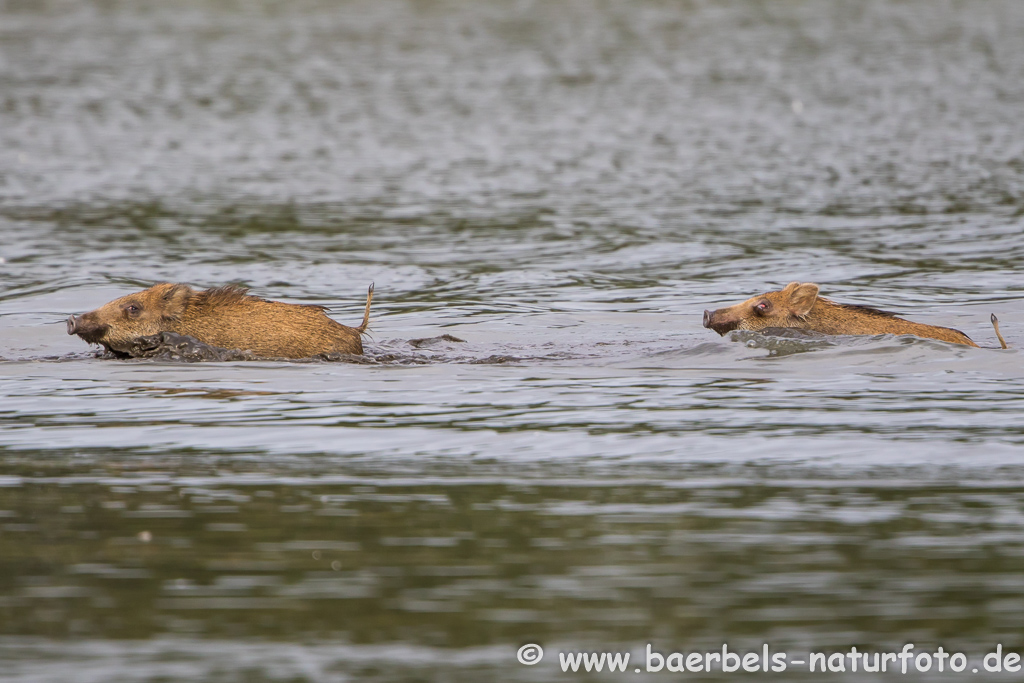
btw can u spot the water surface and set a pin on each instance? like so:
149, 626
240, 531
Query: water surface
565, 186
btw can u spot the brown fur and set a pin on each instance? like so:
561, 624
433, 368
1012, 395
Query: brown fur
227, 317
798, 305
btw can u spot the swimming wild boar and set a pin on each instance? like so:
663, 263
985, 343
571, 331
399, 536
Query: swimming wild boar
798, 305
227, 317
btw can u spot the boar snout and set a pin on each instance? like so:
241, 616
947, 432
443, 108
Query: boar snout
71, 322
717, 321
87, 328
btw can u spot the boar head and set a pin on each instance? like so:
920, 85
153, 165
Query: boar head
116, 324
786, 308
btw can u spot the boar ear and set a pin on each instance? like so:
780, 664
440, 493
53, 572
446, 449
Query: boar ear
175, 299
802, 297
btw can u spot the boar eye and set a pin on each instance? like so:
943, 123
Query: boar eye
132, 309
762, 307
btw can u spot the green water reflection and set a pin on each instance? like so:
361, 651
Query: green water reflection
459, 562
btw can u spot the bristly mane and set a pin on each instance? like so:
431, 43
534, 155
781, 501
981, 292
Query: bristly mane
225, 296
232, 294
867, 310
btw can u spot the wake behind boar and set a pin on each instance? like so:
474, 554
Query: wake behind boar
227, 317
798, 305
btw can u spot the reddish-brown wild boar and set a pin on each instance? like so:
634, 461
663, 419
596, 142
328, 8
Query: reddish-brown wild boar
225, 317
798, 305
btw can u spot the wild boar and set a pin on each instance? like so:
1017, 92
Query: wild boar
798, 305
227, 317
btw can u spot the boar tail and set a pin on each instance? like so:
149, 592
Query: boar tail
995, 326
366, 312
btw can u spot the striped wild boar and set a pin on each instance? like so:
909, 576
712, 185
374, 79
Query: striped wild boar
799, 306
226, 317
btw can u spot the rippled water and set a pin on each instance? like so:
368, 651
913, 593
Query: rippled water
566, 186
